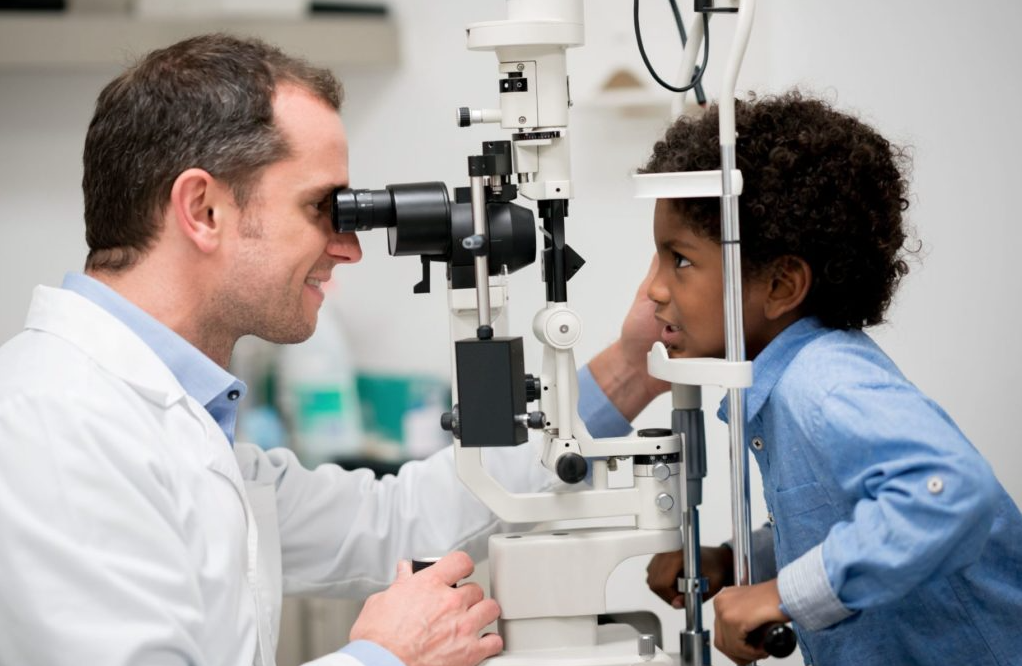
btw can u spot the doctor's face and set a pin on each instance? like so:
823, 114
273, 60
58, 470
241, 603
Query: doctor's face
285, 247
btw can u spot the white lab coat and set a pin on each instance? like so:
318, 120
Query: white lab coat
132, 533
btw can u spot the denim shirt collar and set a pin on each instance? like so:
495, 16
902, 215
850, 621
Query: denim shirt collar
771, 363
213, 387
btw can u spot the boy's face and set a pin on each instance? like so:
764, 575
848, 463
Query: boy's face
688, 288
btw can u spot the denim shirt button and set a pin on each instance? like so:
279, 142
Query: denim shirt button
757, 443
770, 518
935, 485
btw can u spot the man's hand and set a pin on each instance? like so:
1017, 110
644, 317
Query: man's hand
426, 622
620, 369
739, 610
664, 569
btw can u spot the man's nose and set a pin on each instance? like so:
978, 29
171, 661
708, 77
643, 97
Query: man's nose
344, 248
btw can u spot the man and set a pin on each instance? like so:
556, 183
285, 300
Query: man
132, 530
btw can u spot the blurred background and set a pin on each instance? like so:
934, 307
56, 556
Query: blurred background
369, 386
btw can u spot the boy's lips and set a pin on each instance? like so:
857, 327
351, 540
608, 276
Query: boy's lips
670, 334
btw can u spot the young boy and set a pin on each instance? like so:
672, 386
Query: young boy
894, 542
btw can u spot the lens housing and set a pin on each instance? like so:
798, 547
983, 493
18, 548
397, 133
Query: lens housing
421, 220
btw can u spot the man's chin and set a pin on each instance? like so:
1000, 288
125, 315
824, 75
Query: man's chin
291, 336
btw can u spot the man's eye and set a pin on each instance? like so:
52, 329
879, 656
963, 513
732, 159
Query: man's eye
680, 261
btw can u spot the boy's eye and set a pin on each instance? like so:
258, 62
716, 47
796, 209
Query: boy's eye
680, 261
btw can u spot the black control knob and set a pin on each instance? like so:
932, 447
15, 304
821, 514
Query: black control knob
536, 420
464, 117
420, 563
449, 422
572, 468
776, 639
532, 388
655, 432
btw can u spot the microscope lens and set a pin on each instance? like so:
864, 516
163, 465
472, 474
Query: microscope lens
360, 210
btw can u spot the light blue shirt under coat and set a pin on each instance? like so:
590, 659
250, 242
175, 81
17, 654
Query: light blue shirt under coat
214, 388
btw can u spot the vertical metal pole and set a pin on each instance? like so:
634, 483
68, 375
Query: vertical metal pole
687, 419
735, 351
482, 268
735, 339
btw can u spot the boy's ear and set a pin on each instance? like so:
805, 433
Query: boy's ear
789, 282
199, 203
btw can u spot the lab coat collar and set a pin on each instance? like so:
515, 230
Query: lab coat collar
104, 338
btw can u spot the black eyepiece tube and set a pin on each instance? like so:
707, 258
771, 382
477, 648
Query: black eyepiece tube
361, 210
421, 219
417, 216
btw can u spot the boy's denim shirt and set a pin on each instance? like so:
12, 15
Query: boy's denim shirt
894, 541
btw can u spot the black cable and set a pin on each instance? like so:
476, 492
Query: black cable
679, 22
649, 66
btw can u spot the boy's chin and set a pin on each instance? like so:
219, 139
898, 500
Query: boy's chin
675, 352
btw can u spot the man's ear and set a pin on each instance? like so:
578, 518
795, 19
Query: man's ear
200, 204
789, 278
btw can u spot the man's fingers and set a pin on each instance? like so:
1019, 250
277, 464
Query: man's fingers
483, 613
471, 594
404, 570
451, 568
490, 645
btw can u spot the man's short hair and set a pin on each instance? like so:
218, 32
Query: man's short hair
205, 102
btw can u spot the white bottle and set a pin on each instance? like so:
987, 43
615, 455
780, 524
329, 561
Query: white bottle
318, 394
420, 426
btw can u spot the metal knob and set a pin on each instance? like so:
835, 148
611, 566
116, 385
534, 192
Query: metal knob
647, 647
664, 502
534, 420
661, 472
450, 422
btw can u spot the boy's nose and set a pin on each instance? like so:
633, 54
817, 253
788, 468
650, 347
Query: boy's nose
656, 291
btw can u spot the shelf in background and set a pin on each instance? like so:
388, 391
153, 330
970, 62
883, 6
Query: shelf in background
94, 41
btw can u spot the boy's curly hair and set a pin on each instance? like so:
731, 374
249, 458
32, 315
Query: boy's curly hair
818, 184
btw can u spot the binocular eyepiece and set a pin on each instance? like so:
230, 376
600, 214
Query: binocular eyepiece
417, 216
421, 220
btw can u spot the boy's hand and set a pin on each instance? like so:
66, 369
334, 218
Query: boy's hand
424, 621
739, 610
664, 569
620, 369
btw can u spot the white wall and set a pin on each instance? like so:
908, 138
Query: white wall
944, 82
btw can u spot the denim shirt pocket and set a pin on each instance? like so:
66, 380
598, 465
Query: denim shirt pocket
803, 516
